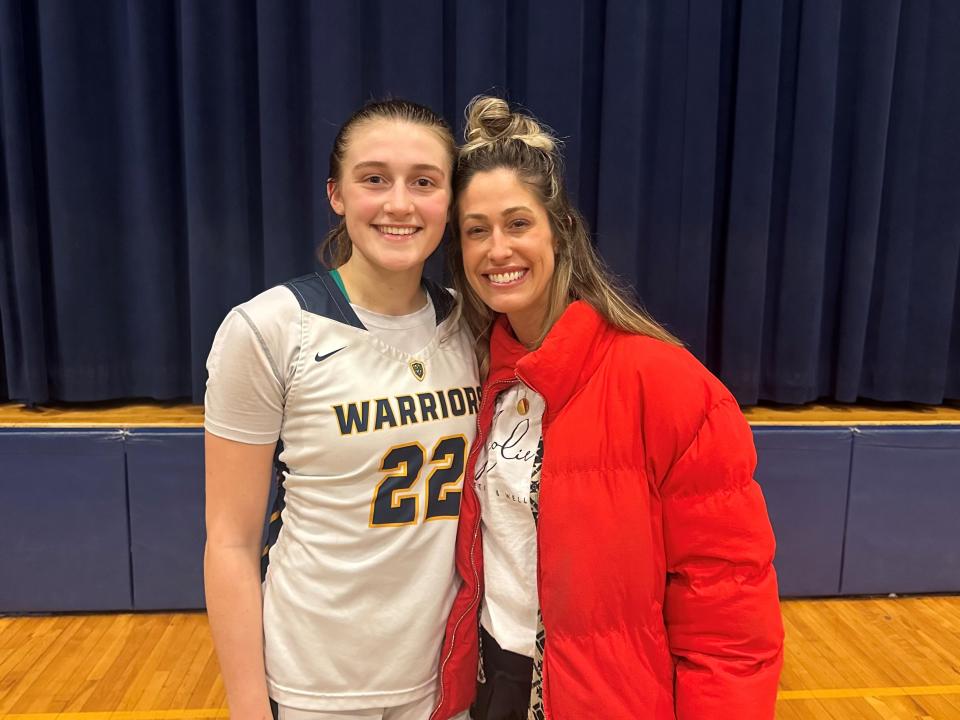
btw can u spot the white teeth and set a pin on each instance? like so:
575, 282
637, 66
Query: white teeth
502, 278
389, 230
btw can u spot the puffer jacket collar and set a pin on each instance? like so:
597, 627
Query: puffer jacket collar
568, 357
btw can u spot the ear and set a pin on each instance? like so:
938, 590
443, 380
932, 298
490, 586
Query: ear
333, 195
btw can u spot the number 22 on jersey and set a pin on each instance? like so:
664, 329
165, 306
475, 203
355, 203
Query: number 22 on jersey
397, 502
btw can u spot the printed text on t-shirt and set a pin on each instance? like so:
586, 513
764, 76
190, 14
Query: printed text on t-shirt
509, 449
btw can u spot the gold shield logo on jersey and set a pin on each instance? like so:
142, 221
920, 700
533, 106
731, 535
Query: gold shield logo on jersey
418, 370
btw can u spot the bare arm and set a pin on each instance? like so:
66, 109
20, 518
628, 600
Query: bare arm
237, 486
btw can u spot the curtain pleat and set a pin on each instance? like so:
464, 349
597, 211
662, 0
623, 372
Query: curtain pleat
24, 225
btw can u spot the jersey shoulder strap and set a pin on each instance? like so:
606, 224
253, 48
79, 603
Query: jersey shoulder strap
443, 300
318, 294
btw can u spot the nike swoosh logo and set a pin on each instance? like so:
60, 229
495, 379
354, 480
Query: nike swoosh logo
321, 358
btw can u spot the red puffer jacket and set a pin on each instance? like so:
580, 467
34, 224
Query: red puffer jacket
656, 587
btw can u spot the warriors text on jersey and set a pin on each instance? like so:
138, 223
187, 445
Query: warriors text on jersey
374, 441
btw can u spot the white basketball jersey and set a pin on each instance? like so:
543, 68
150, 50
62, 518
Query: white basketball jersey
374, 441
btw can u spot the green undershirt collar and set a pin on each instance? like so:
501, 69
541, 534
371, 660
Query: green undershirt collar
335, 274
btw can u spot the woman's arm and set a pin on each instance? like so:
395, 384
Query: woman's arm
721, 610
238, 479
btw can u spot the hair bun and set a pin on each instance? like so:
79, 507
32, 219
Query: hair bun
487, 118
490, 120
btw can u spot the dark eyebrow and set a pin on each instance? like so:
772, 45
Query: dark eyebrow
508, 211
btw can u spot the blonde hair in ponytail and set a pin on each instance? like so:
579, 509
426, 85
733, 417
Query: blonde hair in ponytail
496, 137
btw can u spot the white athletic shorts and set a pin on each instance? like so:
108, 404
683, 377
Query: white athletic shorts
416, 710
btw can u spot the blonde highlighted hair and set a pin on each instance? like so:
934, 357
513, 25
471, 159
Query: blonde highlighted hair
496, 137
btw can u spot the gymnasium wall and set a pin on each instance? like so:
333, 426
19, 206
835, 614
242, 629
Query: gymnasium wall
113, 519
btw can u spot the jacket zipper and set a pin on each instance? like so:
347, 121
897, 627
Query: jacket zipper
480, 440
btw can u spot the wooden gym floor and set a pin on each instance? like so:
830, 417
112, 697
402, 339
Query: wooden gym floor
846, 659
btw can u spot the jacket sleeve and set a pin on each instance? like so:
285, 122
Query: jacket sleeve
721, 609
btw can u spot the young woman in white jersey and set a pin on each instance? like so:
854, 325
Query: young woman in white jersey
362, 384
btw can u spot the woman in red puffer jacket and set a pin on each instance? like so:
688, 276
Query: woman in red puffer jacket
614, 548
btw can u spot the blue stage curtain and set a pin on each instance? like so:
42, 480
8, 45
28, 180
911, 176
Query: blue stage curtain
778, 180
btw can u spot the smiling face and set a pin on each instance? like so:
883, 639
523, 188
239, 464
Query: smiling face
394, 194
508, 249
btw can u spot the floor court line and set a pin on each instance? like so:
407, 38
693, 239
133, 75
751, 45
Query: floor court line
827, 694
215, 713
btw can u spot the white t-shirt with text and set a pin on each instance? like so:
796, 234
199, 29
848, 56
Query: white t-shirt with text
502, 481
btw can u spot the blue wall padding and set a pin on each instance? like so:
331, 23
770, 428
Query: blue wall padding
66, 496
804, 474
165, 473
63, 522
903, 531
166, 482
